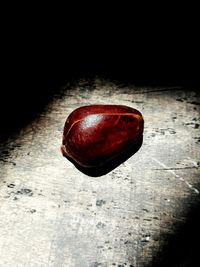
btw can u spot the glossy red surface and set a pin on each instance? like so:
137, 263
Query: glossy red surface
95, 134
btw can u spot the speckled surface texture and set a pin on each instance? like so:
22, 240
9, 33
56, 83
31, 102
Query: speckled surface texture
53, 215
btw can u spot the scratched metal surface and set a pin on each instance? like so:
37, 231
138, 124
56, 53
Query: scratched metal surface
53, 215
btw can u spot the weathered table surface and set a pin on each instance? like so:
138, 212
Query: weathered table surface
51, 214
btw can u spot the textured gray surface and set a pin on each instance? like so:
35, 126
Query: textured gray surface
53, 215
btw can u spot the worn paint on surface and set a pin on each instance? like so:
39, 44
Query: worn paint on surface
53, 215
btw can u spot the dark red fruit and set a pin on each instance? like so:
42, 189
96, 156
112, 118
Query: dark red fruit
95, 134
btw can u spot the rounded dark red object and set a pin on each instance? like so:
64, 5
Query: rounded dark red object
95, 134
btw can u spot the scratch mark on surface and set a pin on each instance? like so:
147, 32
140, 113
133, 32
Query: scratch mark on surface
180, 168
159, 90
176, 175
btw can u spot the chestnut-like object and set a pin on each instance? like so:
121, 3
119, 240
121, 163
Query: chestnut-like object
95, 134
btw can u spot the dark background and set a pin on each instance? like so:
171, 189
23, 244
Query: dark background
43, 51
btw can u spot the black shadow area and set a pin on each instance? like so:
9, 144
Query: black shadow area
36, 65
25, 90
111, 164
182, 248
